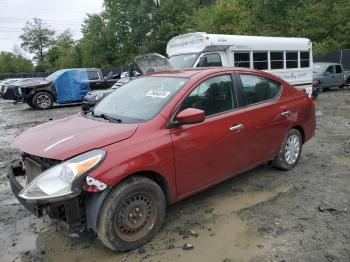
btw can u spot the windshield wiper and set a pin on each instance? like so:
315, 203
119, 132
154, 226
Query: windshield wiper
110, 118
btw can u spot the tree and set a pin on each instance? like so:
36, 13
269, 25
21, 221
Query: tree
65, 39
62, 53
12, 63
36, 38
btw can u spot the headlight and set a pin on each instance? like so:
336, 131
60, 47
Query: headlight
64, 179
98, 97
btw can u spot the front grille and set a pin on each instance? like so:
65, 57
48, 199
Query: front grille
35, 165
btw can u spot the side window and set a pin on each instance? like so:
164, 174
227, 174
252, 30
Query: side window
242, 59
292, 59
260, 60
93, 75
330, 70
210, 60
258, 89
277, 60
212, 96
338, 69
304, 59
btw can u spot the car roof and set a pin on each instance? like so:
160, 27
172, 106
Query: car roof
188, 73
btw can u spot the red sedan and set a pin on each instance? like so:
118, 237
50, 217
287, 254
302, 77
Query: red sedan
156, 140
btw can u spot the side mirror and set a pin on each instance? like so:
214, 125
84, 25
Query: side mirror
326, 73
190, 116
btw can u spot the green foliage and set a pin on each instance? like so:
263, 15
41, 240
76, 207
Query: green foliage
62, 54
126, 28
12, 63
36, 38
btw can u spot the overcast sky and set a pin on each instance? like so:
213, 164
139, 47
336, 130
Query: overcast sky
59, 14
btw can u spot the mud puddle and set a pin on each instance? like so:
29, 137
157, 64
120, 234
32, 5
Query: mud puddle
218, 233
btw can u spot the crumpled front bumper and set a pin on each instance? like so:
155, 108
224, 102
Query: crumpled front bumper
16, 187
69, 210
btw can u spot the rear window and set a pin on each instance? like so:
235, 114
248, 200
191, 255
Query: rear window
259, 89
338, 69
93, 75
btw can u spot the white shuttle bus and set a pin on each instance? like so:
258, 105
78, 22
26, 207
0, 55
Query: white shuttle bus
286, 57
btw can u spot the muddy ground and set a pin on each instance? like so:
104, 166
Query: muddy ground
262, 215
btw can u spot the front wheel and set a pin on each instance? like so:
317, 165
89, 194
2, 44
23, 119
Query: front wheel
132, 214
290, 151
42, 100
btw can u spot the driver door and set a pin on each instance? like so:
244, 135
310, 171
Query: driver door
217, 148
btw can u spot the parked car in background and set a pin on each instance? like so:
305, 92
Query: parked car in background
330, 75
62, 87
143, 64
14, 92
93, 97
154, 141
5, 83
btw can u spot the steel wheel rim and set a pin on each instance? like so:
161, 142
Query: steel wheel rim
292, 149
136, 216
43, 101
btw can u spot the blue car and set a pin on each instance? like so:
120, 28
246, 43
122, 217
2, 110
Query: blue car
62, 87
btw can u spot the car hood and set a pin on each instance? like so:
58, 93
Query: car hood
152, 62
67, 137
32, 82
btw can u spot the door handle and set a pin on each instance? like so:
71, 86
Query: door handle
285, 113
236, 127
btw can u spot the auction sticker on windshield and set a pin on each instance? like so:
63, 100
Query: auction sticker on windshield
158, 93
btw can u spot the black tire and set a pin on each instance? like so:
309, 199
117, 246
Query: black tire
42, 100
120, 226
282, 161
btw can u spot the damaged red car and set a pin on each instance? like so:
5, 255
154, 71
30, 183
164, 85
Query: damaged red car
154, 141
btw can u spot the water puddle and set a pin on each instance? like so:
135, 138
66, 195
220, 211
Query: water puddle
221, 235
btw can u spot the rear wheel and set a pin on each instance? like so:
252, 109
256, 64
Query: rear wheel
131, 214
42, 100
290, 151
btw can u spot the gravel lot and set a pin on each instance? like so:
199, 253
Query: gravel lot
262, 215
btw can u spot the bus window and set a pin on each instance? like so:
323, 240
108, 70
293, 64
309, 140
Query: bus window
242, 59
210, 60
260, 60
304, 59
292, 59
276, 60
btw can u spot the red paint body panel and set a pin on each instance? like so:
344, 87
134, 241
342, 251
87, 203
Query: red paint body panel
67, 137
189, 157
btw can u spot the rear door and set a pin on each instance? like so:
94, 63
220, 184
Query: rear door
269, 115
208, 152
96, 80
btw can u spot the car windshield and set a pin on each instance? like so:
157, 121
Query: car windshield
183, 61
53, 75
140, 99
319, 69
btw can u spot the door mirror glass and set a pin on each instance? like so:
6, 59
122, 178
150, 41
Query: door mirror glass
190, 116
